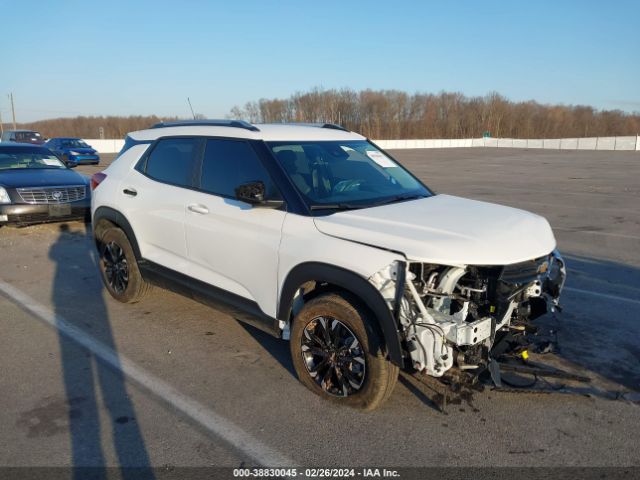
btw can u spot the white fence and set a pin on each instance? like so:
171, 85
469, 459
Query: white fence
104, 145
589, 143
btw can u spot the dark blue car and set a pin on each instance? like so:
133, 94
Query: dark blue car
73, 151
36, 187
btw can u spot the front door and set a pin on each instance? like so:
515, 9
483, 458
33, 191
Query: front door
231, 244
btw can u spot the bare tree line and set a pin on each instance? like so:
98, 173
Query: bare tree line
389, 114
392, 114
89, 127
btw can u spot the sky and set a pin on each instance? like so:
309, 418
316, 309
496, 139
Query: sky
111, 57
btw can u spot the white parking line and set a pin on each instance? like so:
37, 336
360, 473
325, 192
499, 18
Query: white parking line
207, 418
603, 295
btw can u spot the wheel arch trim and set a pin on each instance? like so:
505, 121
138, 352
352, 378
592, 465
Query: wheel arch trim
115, 217
351, 282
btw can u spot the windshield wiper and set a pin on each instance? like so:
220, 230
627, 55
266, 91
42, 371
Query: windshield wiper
398, 198
352, 206
337, 206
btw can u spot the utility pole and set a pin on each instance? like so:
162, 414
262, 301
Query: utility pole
1, 125
13, 111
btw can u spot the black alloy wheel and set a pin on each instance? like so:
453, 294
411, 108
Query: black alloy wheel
119, 267
333, 356
116, 268
339, 353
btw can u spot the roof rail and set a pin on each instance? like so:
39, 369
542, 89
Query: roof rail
332, 126
208, 123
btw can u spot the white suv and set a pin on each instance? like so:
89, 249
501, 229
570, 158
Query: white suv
315, 235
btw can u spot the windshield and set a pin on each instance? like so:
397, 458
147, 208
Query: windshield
350, 174
74, 143
23, 160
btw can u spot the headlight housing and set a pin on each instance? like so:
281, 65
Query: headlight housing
4, 196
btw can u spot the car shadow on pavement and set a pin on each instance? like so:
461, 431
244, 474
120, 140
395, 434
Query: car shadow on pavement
278, 349
598, 327
97, 398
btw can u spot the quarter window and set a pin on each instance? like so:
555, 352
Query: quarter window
230, 163
172, 161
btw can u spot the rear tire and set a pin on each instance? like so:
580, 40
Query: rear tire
338, 353
119, 268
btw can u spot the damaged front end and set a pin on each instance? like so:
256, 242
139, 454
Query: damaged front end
453, 316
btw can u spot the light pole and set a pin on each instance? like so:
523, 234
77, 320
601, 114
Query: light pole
13, 110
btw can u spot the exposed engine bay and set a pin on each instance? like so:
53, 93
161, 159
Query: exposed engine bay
454, 315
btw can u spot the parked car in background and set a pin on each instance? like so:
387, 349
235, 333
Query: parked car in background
73, 151
23, 136
37, 187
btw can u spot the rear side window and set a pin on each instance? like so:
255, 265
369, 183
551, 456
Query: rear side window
172, 161
230, 163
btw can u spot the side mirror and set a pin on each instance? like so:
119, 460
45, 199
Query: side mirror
254, 194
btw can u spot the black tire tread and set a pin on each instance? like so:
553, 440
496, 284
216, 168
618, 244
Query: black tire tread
138, 287
379, 387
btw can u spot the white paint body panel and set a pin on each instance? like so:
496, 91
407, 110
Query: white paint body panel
302, 242
234, 246
446, 230
157, 213
106, 195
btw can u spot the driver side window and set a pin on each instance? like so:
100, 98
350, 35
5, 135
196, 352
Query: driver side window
228, 164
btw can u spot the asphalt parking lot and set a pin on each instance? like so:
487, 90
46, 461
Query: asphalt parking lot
187, 367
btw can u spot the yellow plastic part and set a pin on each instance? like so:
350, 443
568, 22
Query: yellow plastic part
525, 355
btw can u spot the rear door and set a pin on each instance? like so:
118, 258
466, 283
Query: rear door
153, 200
231, 244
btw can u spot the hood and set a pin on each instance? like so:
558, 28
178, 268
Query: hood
87, 150
40, 177
446, 230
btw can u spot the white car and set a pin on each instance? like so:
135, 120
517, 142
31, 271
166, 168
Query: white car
315, 235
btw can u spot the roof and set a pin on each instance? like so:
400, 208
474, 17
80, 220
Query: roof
263, 131
207, 123
21, 131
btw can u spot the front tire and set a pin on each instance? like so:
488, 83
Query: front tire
119, 268
339, 354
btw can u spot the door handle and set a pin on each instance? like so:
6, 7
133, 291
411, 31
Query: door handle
197, 208
130, 191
